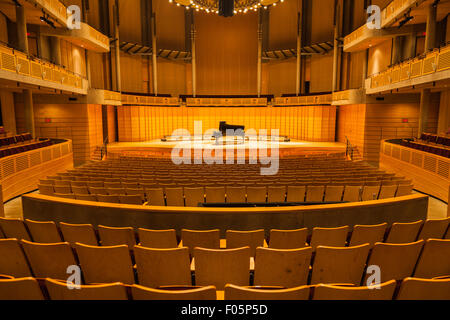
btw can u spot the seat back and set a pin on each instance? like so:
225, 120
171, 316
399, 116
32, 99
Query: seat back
14, 228
404, 190
86, 197
368, 234
131, 199
221, 267
339, 265
43, 232
20, 289
434, 260
424, 289
239, 239
315, 193
215, 194
46, 190
110, 236
332, 237
387, 191
296, 193
276, 194
108, 198
404, 232
384, 291
333, 193
235, 194
160, 239
256, 194
396, 261
13, 261
370, 193
80, 190
434, 228
194, 196
174, 197
142, 293
82, 233
284, 268
233, 292
163, 267
59, 290
49, 260
288, 239
209, 239
105, 264
352, 194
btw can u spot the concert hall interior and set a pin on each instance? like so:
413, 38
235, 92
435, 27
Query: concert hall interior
224, 149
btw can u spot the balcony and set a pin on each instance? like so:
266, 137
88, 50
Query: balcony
104, 97
133, 100
324, 99
16, 66
431, 68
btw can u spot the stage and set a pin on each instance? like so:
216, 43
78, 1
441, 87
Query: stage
163, 149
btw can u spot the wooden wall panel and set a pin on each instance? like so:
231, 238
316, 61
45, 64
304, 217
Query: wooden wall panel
3, 29
283, 25
379, 58
281, 77
111, 123
312, 123
170, 21
223, 67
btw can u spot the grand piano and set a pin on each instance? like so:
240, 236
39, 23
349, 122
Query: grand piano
238, 131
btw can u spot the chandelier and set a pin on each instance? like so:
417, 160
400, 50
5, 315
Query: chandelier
212, 6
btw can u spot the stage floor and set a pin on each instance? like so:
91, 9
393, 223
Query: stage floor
160, 148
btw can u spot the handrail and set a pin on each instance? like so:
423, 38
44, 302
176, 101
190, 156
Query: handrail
104, 148
349, 149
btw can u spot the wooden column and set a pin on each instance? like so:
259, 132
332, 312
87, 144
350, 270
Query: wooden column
21, 23
259, 66
424, 107
154, 56
337, 22
430, 38
117, 45
29, 111
55, 47
193, 57
298, 85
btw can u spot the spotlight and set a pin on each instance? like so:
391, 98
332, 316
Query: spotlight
405, 20
17, 3
46, 19
435, 3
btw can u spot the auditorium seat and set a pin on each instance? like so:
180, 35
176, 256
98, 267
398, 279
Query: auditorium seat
204, 293
396, 261
163, 267
86, 197
434, 260
80, 190
79, 184
65, 195
113, 185
256, 194
424, 289
332, 237
108, 198
333, 193
155, 197
404, 190
13, 261
105, 264
288, 239
47, 182
404, 232
315, 193
352, 193
220, 267
367, 234
370, 193
59, 290
387, 191
235, 194
116, 191
110, 236
98, 190
239, 239
385, 291
285, 268
14, 228
130, 199
46, 190
215, 194
434, 228
82, 233
49, 260
96, 184
209, 239
174, 197
233, 292
276, 194
159, 239
20, 289
339, 265
296, 193
62, 183
43, 232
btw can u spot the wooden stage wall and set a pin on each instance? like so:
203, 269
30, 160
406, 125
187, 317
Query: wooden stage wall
144, 123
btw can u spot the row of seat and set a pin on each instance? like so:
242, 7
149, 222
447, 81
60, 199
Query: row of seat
50, 232
437, 139
442, 151
156, 267
193, 196
23, 148
409, 289
20, 138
